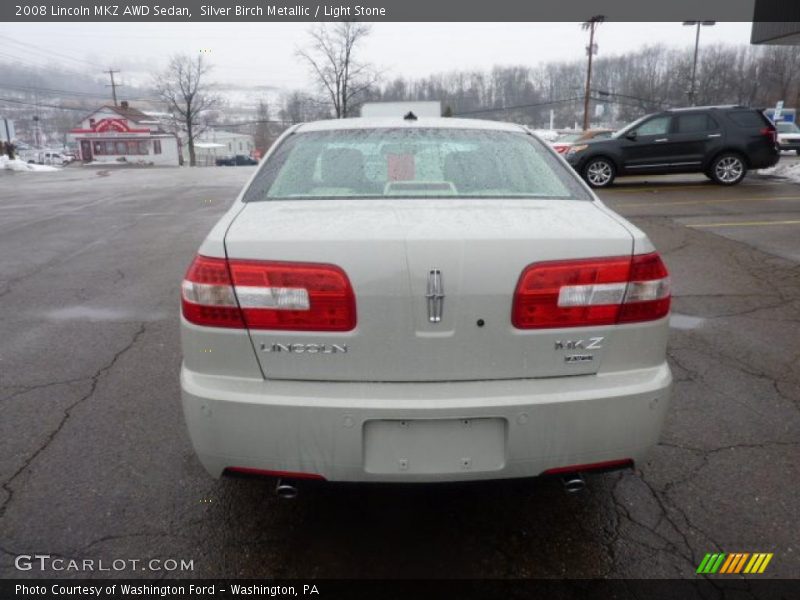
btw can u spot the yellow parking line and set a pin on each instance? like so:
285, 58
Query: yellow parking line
744, 224
659, 202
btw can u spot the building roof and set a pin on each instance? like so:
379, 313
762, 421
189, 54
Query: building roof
132, 114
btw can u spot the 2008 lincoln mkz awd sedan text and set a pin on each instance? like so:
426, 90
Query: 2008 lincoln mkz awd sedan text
422, 299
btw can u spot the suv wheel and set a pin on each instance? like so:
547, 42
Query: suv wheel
599, 172
728, 169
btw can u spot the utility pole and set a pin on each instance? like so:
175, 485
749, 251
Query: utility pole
591, 49
692, 90
113, 85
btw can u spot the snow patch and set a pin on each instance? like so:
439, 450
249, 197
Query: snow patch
21, 165
548, 135
789, 170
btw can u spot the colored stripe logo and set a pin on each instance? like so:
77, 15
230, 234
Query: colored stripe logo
734, 563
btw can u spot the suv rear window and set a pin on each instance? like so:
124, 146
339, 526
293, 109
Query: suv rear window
412, 162
747, 118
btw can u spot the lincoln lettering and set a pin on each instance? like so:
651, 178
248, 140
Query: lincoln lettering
306, 348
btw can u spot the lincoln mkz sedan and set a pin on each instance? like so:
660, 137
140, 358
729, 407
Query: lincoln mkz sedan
418, 300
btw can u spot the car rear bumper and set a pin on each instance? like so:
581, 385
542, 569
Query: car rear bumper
424, 431
763, 158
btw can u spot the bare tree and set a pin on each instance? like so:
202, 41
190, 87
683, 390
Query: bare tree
331, 58
183, 87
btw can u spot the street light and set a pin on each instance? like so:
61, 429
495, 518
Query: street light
696, 47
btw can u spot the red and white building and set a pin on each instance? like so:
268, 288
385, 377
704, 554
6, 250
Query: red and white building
125, 134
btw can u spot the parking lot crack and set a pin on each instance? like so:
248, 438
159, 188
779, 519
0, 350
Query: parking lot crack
669, 544
95, 379
24, 389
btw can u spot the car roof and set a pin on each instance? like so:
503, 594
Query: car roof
397, 122
718, 107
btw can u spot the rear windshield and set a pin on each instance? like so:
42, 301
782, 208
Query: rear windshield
412, 162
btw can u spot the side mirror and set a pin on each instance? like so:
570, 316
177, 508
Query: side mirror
631, 135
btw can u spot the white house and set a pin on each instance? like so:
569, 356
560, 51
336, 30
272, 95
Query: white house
125, 134
214, 144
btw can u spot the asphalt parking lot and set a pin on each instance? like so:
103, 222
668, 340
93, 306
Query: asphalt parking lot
95, 461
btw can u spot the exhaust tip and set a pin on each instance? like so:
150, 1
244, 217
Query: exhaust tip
286, 491
574, 483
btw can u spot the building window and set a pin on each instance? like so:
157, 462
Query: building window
156, 146
121, 148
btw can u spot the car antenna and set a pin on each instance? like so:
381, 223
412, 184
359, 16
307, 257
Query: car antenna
410, 116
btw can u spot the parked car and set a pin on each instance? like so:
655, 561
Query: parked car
721, 141
469, 311
788, 136
566, 140
54, 157
43, 156
238, 160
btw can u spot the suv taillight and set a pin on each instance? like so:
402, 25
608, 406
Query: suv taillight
268, 295
771, 133
588, 292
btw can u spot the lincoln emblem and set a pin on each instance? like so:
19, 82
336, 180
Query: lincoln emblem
435, 296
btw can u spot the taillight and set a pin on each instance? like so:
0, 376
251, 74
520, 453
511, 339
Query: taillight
770, 132
648, 295
268, 295
590, 292
207, 296
300, 296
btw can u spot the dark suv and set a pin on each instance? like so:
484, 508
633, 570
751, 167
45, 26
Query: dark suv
721, 141
240, 160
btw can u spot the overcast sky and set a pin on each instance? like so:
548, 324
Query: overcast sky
263, 53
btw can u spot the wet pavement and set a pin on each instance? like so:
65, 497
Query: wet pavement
95, 462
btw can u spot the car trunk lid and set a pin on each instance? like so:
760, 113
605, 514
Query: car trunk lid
434, 282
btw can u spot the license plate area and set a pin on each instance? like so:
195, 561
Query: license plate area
434, 446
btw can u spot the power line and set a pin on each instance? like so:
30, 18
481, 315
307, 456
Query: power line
59, 55
518, 106
60, 92
253, 122
40, 105
50, 91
